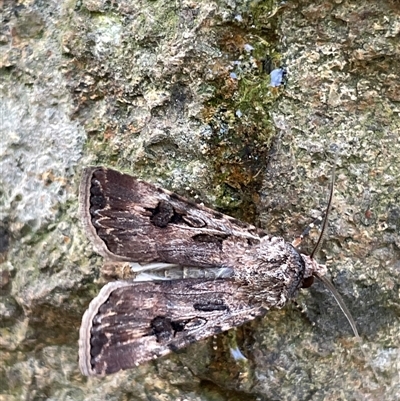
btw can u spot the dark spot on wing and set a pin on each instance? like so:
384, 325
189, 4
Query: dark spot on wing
162, 328
178, 326
97, 342
210, 239
97, 202
165, 213
162, 214
166, 329
210, 306
95, 189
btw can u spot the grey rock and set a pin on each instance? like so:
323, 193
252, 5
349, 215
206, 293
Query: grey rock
145, 87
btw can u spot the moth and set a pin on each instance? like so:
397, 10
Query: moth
131, 322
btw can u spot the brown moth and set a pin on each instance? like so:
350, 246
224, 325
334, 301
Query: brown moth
131, 322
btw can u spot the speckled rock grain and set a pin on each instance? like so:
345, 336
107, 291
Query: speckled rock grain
146, 87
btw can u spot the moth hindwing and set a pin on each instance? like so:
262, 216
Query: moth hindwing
129, 323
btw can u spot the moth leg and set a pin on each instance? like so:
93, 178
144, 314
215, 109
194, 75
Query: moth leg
303, 312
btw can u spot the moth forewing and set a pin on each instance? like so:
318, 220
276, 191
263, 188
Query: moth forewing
131, 220
130, 323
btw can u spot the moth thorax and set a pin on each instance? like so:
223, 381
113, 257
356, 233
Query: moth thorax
272, 271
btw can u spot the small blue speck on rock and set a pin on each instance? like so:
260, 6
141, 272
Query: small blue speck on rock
277, 77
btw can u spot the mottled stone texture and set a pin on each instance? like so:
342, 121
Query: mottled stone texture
147, 87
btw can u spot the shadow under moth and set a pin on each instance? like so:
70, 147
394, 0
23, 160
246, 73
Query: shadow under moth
246, 272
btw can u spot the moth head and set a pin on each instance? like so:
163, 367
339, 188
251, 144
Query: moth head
312, 269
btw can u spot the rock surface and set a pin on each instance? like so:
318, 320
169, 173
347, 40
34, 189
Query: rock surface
178, 93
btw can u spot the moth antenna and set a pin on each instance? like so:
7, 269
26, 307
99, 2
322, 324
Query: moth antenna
325, 222
316, 249
349, 318
327, 283
340, 302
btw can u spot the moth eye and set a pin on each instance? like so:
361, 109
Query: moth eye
307, 282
